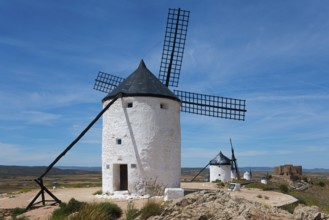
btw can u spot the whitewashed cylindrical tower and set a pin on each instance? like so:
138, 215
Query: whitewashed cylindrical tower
247, 175
220, 168
214, 170
224, 168
141, 136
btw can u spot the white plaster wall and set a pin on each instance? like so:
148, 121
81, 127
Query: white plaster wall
214, 173
233, 174
246, 176
150, 141
225, 173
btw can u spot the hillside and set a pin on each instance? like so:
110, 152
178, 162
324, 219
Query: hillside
38, 170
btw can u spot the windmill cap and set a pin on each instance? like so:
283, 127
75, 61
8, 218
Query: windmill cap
223, 159
220, 159
142, 82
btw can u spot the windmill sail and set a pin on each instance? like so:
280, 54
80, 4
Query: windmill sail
234, 166
173, 46
170, 67
214, 106
106, 82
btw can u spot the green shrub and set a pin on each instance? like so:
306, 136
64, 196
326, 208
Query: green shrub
220, 184
98, 211
98, 192
151, 208
284, 188
321, 183
66, 209
305, 179
289, 207
18, 211
110, 209
131, 212
81, 210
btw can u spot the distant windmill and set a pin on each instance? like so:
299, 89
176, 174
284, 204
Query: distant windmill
141, 131
222, 168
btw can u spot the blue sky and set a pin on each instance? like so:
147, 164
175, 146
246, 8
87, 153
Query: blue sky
274, 54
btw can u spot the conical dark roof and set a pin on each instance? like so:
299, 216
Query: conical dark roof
220, 159
223, 159
142, 82
214, 162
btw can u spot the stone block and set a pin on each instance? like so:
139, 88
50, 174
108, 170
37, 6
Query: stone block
173, 193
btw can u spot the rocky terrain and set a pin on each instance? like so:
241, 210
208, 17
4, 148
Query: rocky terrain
220, 205
202, 205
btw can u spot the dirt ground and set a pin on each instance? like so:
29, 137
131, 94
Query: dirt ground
255, 195
86, 194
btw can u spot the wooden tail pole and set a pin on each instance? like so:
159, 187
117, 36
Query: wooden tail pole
199, 172
39, 180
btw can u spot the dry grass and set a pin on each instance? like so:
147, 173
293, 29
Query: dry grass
316, 195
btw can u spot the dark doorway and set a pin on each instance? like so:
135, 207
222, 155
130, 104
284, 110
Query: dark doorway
123, 177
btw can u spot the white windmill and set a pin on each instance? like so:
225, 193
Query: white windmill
141, 130
141, 123
141, 135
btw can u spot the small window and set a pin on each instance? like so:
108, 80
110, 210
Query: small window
119, 141
107, 166
129, 105
163, 106
133, 165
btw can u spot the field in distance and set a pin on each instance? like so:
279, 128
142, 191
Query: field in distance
21, 178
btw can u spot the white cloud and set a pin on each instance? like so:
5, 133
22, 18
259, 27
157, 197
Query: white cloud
12, 154
36, 117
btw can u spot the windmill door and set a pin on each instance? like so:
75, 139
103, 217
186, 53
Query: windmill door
123, 177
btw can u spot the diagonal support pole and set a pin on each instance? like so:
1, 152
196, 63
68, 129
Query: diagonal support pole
39, 181
42, 192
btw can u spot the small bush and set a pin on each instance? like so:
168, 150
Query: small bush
284, 188
66, 209
74, 205
25, 190
151, 208
98, 192
110, 209
76, 210
18, 211
131, 212
305, 179
220, 184
321, 183
259, 196
20, 218
98, 211
266, 197
289, 207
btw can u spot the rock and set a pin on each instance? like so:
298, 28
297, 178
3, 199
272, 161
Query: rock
173, 193
302, 212
219, 205
204, 205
